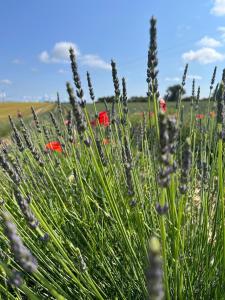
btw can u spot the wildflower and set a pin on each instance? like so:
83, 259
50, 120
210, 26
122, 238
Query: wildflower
59, 107
15, 278
213, 78
105, 141
100, 152
200, 116
124, 100
25, 208
29, 143
59, 133
17, 137
76, 77
162, 210
54, 146
185, 166
162, 104
21, 254
103, 118
66, 122
77, 111
152, 72
154, 274
212, 114
184, 75
36, 120
220, 104
91, 92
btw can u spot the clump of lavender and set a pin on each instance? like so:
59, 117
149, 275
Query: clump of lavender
213, 79
223, 76
59, 106
181, 87
77, 111
30, 144
197, 99
165, 171
15, 278
116, 89
152, 72
193, 92
9, 169
220, 104
184, 75
173, 134
36, 120
185, 166
70, 126
58, 132
214, 96
168, 141
16, 136
25, 208
21, 254
127, 162
46, 132
100, 152
124, 101
154, 273
91, 91
76, 77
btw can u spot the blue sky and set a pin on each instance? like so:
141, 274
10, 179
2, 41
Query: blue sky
35, 36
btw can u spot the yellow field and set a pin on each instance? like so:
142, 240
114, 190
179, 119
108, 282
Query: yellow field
12, 109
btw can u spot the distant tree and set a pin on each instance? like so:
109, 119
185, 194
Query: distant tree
138, 99
173, 92
108, 99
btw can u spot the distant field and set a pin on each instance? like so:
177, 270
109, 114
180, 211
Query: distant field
12, 109
136, 109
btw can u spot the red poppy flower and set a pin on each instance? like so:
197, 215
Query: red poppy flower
212, 114
162, 105
54, 146
103, 118
199, 116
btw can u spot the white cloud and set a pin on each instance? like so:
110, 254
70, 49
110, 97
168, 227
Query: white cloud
6, 81
176, 79
218, 8
95, 61
209, 42
221, 29
17, 61
196, 77
62, 71
203, 56
59, 53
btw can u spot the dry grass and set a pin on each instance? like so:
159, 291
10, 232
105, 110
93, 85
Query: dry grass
13, 108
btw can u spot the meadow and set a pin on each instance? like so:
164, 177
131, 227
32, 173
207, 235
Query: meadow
12, 108
116, 202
